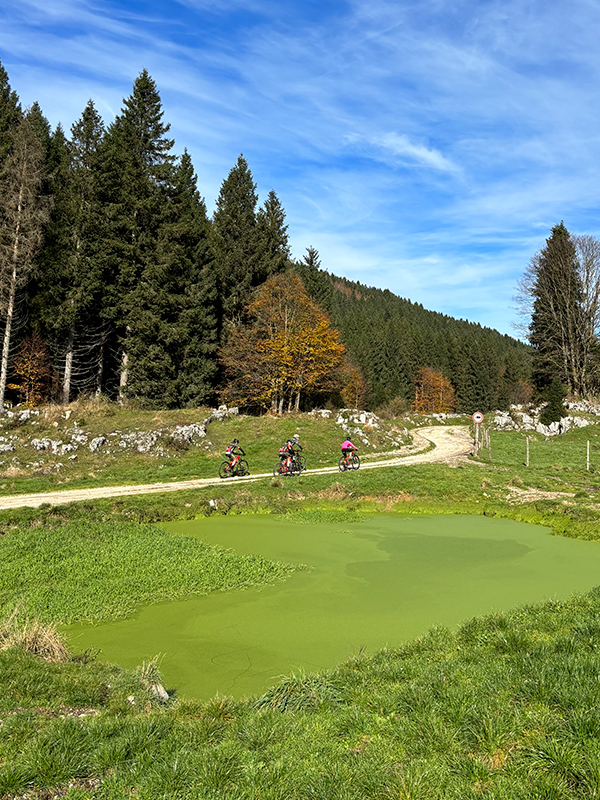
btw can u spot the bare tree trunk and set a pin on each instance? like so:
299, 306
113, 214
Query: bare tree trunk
100, 371
297, 406
7, 332
68, 367
281, 399
123, 376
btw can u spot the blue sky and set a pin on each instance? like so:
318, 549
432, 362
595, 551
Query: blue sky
424, 147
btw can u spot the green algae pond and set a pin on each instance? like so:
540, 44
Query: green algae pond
372, 580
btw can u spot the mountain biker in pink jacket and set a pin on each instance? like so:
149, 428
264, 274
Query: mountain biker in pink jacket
348, 448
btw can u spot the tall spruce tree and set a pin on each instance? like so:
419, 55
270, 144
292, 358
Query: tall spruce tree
136, 180
236, 241
175, 343
187, 233
555, 331
273, 237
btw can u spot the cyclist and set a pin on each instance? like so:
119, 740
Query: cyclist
287, 452
234, 452
347, 449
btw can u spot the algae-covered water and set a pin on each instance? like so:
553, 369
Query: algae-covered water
374, 580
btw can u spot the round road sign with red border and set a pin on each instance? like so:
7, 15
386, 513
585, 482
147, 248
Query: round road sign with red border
478, 417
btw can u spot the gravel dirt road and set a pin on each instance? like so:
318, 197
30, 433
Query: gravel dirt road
451, 444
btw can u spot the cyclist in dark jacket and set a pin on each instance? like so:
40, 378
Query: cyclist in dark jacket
234, 452
286, 452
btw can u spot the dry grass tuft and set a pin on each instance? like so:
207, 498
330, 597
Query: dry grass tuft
334, 492
33, 636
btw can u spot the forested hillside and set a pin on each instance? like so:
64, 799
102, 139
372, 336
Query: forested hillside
114, 280
390, 339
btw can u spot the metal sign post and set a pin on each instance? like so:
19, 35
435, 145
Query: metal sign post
477, 419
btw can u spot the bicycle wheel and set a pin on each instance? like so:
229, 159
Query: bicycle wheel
242, 468
302, 461
277, 469
224, 471
355, 463
342, 464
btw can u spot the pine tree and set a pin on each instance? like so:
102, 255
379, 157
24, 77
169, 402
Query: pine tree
135, 183
555, 331
555, 396
236, 242
70, 291
175, 344
316, 280
273, 238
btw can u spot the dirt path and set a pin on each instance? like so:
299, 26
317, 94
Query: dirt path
451, 444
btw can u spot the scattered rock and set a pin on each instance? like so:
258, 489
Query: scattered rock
97, 443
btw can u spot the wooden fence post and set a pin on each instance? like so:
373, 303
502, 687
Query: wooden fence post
588, 456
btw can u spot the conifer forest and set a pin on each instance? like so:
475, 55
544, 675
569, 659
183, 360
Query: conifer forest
114, 280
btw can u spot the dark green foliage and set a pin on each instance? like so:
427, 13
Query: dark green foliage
185, 249
137, 173
556, 327
273, 237
10, 114
68, 296
174, 317
236, 240
555, 396
390, 339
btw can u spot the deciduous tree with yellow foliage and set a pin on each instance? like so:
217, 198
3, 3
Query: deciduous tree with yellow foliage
286, 348
434, 394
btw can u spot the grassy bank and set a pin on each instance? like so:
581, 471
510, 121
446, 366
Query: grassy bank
504, 708
98, 571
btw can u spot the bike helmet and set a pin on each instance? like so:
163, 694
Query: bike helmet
236, 441
296, 436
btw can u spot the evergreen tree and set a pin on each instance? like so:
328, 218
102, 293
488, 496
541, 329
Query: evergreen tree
10, 114
236, 241
174, 349
70, 291
135, 183
316, 280
555, 397
273, 238
555, 331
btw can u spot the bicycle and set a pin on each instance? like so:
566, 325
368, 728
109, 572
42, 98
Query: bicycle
296, 466
233, 469
351, 461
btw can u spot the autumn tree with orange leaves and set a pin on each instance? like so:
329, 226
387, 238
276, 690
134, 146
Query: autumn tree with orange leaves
434, 394
31, 366
287, 348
